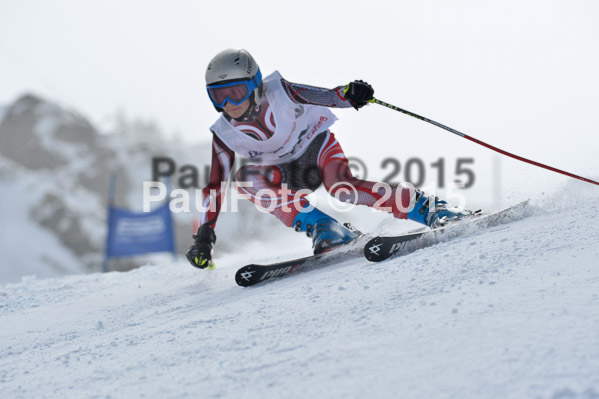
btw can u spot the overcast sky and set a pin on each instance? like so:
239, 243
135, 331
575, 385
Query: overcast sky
519, 74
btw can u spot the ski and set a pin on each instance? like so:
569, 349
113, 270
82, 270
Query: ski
377, 248
380, 248
253, 274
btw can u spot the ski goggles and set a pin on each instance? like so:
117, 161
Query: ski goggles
233, 92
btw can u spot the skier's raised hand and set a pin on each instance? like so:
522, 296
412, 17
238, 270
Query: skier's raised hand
199, 253
359, 93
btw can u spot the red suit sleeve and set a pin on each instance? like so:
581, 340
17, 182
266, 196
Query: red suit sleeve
304, 94
213, 193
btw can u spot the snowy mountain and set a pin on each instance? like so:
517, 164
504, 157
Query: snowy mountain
505, 312
55, 169
3, 109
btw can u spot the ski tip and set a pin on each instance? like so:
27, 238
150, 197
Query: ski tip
373, 250
245, 276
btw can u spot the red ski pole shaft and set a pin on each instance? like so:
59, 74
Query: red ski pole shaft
499, 150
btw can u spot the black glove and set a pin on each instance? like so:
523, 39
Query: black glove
199, 253
359, 93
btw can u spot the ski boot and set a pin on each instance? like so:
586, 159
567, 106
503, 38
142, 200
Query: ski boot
439, 217
326, 232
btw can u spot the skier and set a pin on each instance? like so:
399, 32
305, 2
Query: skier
284, 128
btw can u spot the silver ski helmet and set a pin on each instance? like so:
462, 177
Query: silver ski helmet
226, 70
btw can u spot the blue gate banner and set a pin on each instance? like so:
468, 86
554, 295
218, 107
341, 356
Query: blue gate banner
131, 233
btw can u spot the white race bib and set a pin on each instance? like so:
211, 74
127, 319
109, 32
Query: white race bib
296, 126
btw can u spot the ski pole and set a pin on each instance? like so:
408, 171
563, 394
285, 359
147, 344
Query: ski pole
422, 118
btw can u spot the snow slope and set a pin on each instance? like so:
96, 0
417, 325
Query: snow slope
508, 312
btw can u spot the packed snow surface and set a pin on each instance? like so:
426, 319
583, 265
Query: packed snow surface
506, 312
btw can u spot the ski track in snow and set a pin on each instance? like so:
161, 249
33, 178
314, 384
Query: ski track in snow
507, 312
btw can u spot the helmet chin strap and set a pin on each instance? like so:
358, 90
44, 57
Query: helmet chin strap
254, 108
258, 93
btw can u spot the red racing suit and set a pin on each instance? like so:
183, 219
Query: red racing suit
322, 163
